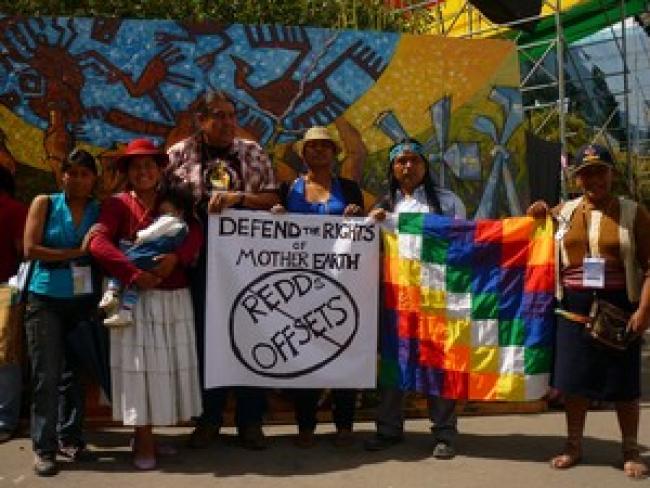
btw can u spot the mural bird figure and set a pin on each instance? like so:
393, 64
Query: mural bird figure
155, 73
277, 98
274, 96
191, 32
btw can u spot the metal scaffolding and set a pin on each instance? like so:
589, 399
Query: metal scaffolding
547, 73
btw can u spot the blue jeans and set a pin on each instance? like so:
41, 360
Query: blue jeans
10, 393
57, 395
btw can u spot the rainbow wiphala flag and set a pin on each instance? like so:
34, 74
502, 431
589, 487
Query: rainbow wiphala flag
468, 307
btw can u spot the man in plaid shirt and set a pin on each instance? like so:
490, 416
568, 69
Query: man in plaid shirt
223, 171
251, 180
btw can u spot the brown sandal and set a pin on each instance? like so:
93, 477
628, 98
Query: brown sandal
576, 411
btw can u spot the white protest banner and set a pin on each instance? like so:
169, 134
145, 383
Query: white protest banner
291, 301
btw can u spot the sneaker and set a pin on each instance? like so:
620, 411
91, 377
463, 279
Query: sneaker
203, 435
110, 301
253, 438
45, 466
343, 438
123, 318
443, 450
305, 439
381, 442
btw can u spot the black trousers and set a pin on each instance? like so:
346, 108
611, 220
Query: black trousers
251, 402
305, 403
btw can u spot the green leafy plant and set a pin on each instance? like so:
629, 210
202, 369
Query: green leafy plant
357, 14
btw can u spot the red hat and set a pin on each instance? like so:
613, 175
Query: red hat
141, 147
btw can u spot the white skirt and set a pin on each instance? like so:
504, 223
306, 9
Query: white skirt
154, 369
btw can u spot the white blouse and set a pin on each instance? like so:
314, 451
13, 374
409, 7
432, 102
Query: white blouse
450, 204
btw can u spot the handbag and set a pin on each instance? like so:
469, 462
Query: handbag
13, 297
608, 324
11, 330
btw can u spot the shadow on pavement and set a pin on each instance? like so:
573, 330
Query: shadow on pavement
224, 458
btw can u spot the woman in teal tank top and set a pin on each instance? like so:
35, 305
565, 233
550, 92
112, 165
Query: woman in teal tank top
61, 298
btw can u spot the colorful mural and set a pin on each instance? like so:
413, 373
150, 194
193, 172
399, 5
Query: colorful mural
100, 82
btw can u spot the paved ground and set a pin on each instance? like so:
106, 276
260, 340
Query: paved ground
504, 451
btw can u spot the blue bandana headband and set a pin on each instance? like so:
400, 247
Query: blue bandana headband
409, 146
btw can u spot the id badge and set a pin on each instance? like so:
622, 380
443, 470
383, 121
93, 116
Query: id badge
593, 273
82, 283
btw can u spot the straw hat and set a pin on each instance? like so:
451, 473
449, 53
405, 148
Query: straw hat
316, 133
